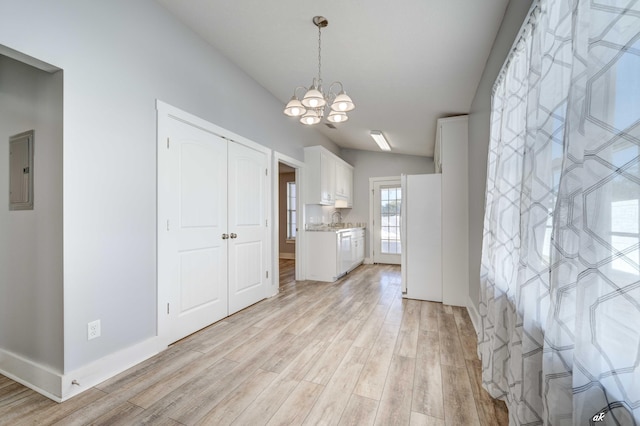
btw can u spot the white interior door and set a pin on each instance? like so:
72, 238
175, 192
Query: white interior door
192, 254
387, 205
247, 226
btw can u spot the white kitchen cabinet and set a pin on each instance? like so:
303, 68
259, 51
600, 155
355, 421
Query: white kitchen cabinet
331, 254
344, 183
329, 180
358, 247
322, 256
320, 176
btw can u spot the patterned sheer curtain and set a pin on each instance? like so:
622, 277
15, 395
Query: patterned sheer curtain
560, 275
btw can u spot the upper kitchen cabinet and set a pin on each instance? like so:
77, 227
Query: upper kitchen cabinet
344, 184
329, 180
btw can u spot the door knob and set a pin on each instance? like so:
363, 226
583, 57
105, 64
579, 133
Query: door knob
225, 236
233, 235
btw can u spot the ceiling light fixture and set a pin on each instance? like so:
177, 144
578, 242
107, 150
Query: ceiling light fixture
380, 140
311, 108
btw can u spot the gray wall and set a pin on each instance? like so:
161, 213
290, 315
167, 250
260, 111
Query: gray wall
370, 164
479, 122
285, 247
31, 240
118, 57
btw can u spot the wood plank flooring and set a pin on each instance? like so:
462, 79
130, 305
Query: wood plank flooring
351, 352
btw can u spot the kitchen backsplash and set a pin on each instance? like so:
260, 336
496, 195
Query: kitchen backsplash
316, 215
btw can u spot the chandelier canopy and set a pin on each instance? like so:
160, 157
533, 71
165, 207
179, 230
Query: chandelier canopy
313, 105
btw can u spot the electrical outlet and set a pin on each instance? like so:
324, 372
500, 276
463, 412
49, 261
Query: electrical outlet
93, 329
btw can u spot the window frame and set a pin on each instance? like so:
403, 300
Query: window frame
292, 225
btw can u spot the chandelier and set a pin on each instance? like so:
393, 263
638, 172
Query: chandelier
313, 105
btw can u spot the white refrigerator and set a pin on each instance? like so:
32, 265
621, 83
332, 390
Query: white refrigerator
421, 237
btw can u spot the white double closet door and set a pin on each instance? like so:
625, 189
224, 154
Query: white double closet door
212, 254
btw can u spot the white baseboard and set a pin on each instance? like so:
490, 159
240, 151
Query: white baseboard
287, 256
60, 387
104, 368
473, 314
368, 261
31, 374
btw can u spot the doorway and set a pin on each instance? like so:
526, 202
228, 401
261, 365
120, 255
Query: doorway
288, 235
32, 231
287, 223
386, 206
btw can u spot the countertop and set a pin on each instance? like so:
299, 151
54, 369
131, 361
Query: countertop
329, 228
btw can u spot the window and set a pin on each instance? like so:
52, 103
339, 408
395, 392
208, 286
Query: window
390, 204
291, 211
625, 210
561, 248
623, 111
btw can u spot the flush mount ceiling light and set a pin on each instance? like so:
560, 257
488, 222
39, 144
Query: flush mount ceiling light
380, 140
311, 108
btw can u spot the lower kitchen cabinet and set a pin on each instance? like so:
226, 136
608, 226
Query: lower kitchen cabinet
331, 254
358, 247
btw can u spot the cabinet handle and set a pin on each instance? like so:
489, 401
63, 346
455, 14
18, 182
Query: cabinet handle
225, 236
233, 235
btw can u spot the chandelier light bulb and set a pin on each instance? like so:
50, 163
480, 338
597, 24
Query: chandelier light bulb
342, 102
294, 108
314, 98
337, 117
311, 117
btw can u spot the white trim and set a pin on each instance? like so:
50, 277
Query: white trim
31, 374
60, 387
454, 118
367, 261
300, 236
473, 314
287, 256
29, 60
371, 228
109, 366
165, 109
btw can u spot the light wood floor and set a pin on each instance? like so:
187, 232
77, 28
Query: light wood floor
351, 352
287, 273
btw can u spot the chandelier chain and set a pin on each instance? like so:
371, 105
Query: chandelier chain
319, 53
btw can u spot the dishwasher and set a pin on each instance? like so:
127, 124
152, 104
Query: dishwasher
345, 252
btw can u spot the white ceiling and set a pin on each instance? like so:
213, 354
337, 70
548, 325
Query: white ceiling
405, 64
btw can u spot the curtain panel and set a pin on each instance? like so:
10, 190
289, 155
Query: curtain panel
560, 276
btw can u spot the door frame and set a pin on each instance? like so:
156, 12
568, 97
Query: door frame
300, 236
165, 112
371, 229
